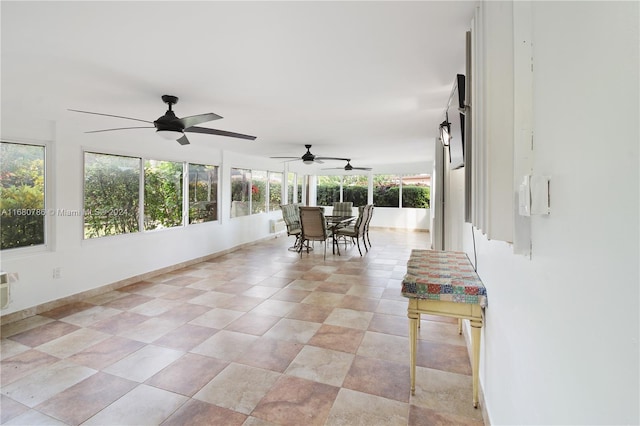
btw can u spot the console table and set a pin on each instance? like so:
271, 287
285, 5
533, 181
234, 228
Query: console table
444, 283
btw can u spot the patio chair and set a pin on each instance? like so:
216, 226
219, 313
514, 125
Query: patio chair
343, 208
357, 231
291, 217
366, 226
314, 228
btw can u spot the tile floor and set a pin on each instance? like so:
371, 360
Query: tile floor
259, 336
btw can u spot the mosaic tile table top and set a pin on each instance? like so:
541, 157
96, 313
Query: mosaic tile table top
443, 275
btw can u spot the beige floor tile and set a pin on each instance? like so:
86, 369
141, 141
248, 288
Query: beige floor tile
217, 318
384, 346
155, 307
238, 387
446, 392
323, 298
393, 307
349, 318
41, 385
144, 363
144, 405
293, 330
278, 308
225, 345
261, 291
357, 408
74, 342
321, 365
91, 316
9, 348
35, 418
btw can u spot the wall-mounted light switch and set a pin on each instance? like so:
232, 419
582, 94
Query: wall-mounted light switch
533, 195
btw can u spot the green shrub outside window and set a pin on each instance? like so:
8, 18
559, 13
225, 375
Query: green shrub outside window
22, 195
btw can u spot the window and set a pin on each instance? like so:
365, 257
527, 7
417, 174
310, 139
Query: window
258, 191
386, 191
328, 190
203, 193
162, 194
416, 191
291, 188
111, 194
355, 188
240, 192
22, 195
275, 191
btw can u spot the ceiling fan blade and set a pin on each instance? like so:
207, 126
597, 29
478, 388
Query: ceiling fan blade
119, 128
110, 115
183, 140
208, 131
362, 168
194, 120
330, 158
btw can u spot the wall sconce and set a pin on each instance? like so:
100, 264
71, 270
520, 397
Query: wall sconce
445, 132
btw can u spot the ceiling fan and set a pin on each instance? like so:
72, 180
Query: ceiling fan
171, 127
309, 158
348, 167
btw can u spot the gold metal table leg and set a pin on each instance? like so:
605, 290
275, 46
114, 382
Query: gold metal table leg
475, 362
414, 318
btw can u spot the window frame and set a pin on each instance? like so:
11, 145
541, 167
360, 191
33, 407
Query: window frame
187, 179
49, 200
141, 198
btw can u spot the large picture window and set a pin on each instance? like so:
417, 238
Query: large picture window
328, 190
162, 194
22, 195
291, 188
111, 194
386, 191
275, 191
355, 188
416, 191
240, 192
258, 191
203, 193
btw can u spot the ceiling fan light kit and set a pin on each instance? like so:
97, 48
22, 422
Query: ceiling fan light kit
171, 127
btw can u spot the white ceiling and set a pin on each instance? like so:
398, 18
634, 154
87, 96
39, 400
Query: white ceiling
364, 80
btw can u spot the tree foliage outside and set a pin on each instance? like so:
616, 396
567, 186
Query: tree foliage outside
111, 194
416, 197
22, 195
355, 188
162, 194
203, 193
258, 191
386, 192
275, 191
240, 192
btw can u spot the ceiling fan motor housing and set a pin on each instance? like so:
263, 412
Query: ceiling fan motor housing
169, 121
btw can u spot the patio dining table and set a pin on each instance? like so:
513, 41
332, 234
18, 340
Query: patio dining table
336, 222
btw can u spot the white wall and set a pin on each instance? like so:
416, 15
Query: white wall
561, 337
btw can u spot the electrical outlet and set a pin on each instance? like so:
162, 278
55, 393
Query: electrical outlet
57, 273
